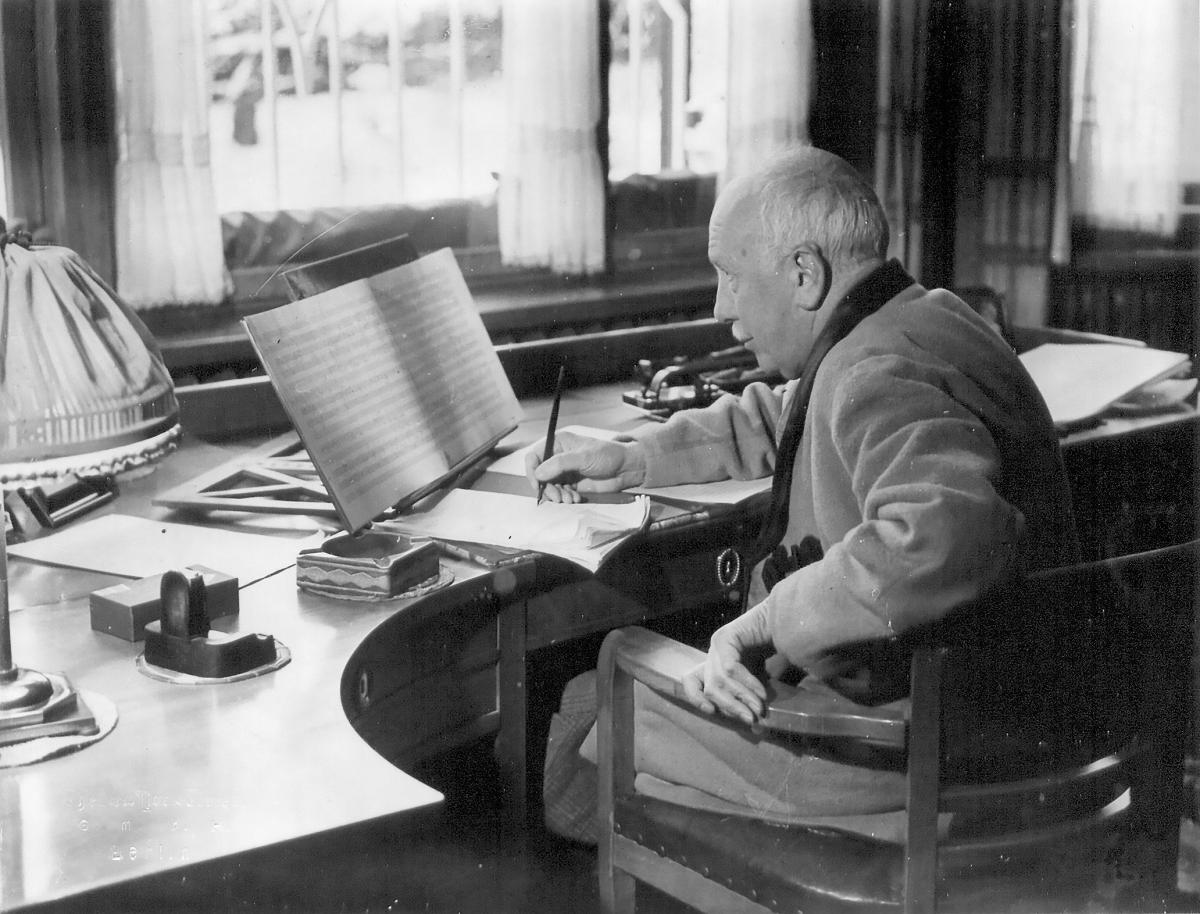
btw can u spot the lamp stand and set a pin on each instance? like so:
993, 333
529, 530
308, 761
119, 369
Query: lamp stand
34, 704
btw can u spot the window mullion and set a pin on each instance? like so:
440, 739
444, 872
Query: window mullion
334, 60
458, 73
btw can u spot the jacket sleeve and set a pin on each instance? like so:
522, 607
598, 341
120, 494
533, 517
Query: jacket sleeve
734, 438
934, 533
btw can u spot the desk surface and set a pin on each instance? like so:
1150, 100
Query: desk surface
193, 773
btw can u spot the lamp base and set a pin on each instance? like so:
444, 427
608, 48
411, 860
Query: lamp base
35, 704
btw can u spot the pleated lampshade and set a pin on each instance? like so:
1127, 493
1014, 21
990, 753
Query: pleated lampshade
83, 391
83, 388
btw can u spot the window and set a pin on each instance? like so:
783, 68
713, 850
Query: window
1135, 124
667, 115
408, 138
411, 114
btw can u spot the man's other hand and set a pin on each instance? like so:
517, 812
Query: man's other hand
582, 465
723, 682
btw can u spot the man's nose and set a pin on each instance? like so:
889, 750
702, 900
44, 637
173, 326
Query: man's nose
723, 306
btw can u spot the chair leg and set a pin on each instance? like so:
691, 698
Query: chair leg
614, 732
510, 741
616, 886
924, 753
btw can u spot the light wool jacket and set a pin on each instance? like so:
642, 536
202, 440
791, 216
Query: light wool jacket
929, 470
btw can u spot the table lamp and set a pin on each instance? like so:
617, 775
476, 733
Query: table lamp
83, 391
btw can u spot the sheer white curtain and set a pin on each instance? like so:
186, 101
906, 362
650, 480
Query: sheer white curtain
1131, 63
551, 196
770, 79
168, 238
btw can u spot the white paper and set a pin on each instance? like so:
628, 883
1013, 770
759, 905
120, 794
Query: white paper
136, 547
1080, 380
583, 533
723, 492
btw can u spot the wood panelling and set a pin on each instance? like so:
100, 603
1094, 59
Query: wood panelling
1146, 295
1007, 141
57, 88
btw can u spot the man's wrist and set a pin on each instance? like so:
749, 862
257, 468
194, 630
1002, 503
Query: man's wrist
633, 468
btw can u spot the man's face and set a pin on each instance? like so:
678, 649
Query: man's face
755, 290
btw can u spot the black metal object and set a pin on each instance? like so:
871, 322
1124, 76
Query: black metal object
181, 641
59, 503
683, 383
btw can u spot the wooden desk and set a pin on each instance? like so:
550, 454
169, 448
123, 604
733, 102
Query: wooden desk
198, 773
193, 773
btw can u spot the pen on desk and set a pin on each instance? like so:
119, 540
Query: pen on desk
548, 451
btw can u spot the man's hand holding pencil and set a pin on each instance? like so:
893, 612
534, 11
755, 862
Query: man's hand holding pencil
581, 465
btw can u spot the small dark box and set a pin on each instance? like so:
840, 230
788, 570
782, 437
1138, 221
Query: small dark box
124, 609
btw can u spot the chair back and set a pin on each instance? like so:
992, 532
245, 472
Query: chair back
1040, 720
1082, 675
988, 304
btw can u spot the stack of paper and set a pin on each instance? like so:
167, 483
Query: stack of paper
584, 533
1081, 380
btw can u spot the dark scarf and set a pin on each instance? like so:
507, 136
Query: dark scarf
865, 298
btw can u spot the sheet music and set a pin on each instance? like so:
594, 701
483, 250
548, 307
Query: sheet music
391, 381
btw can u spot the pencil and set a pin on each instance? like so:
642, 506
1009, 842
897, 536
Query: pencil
548, 451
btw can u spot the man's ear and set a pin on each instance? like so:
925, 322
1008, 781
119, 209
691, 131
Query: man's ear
811, 276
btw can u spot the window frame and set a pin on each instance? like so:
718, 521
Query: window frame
631, 252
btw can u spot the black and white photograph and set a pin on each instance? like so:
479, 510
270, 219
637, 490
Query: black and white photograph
600, 456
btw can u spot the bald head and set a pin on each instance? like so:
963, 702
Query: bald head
789, 242
804, 194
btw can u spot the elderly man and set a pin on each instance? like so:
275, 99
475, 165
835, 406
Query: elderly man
915, 470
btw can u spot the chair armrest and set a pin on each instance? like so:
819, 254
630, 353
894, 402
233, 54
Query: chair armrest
660, 663
809, 714
652, 659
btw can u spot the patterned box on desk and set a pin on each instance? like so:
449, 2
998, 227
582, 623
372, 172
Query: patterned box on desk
370, 566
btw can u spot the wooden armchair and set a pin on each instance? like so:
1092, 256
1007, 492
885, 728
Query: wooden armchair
1084, 674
